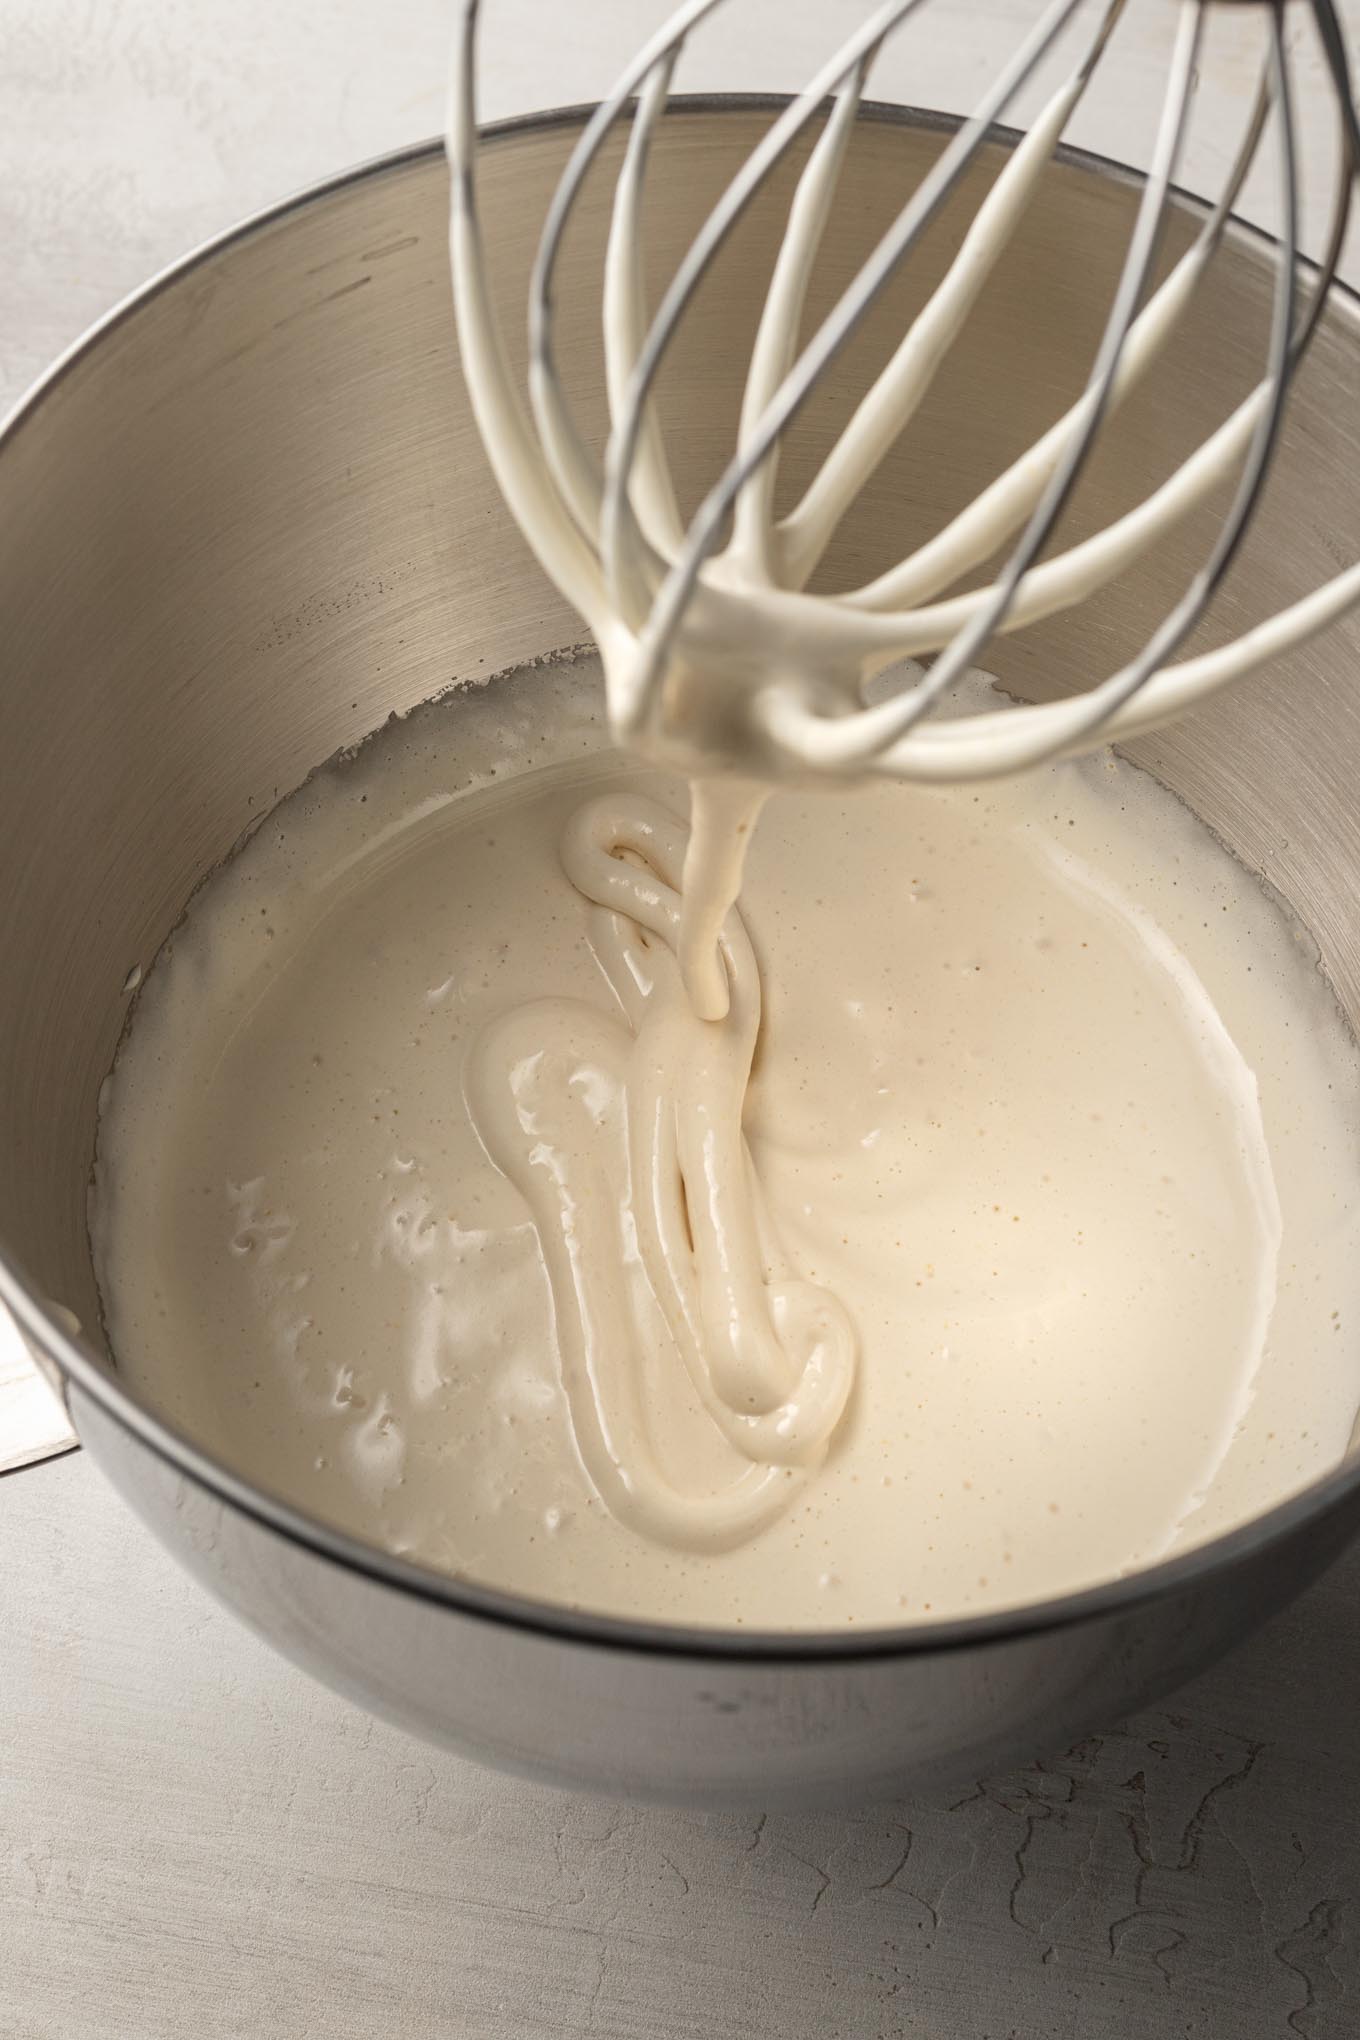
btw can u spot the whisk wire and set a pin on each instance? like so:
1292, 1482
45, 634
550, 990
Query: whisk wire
625, 324
572, 466
694, 265
850, 309
898, 717
776, 342
977, 530
654, 590
511, 445
891, 401
1097, 706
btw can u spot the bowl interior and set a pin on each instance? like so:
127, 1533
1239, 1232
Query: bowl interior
251, 519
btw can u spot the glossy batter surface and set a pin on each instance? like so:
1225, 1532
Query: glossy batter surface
1053, 1214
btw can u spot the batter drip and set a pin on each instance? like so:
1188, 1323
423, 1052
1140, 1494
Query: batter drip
624, 1136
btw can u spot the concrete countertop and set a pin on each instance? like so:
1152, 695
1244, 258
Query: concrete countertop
195, 1840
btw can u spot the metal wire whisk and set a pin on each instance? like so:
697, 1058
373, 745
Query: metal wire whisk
715, 653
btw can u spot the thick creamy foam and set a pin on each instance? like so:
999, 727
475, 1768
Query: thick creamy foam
1049, 1104
623, 1133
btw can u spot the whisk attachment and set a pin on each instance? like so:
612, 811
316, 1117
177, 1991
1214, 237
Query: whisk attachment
717, 656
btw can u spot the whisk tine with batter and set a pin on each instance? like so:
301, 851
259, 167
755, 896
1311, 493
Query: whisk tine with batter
717, 657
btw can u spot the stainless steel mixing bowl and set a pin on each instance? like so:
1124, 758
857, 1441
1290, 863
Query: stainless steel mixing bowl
248, 518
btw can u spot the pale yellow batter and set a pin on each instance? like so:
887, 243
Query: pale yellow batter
1050, 1228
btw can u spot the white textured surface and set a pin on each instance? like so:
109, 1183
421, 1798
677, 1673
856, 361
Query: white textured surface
32, 1420
196, 1841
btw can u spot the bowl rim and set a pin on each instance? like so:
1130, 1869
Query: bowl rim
70, 1364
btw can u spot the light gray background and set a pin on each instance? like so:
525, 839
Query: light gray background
194, 1841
